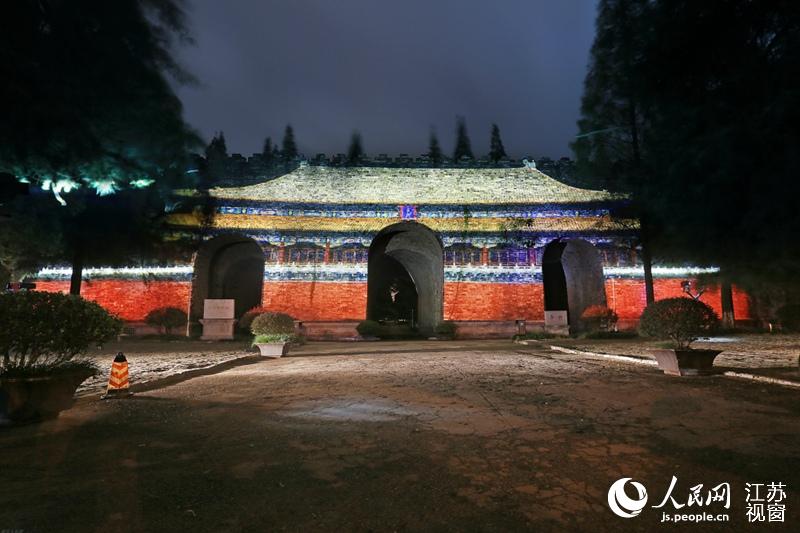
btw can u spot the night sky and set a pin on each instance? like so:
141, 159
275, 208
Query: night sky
391, 69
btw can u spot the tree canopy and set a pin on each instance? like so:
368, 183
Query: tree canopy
289, 147
692, 107
496, 149
355, 151
463, 146
85, 99
90, 115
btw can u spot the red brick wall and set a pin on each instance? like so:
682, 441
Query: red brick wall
627, 297
305, 300
130, 300
309, 300
493, 301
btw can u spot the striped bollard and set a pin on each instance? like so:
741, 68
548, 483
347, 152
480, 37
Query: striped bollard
118, 386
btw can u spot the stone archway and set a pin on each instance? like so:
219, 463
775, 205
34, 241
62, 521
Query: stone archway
572, 274
409, 256
228, 266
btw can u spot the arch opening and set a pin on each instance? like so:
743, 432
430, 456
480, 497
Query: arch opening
572, 275
405, 280
229, 266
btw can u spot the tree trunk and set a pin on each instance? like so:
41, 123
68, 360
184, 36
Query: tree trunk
728, 319
77, 271
647, 261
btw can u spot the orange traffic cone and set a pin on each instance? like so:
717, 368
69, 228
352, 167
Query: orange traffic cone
118, 380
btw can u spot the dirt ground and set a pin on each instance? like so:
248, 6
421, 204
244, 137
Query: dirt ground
416, 436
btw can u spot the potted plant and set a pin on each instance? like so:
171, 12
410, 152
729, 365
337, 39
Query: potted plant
681, 321
273, 333
43, 337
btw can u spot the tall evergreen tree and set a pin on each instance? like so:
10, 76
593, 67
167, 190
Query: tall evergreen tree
268, 152
92, 117
216, 157
463, 146
355, 152
434, 151
609, 147
289, 148
496, 149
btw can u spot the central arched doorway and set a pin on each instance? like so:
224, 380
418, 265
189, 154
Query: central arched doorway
406, 276
572, 275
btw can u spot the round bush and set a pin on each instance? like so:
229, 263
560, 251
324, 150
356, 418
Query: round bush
681, 320
273, 328
166, 318
369, 328
272, 324
789, 317
246, 321
42, 332
446, 328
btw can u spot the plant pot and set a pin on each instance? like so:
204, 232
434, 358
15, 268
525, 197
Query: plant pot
273, 349
686, 362
41, 397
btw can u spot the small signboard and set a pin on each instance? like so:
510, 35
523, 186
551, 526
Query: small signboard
408, 212
218, 308
555, 319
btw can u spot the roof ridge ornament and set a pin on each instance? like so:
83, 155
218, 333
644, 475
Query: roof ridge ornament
529, 163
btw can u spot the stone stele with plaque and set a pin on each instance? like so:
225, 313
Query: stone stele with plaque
218, 319
556, 322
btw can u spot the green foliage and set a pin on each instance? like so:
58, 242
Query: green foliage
42, 331
463, 146
680, 320
166, 318
356, 151
91, 105
275, 338
369, 328
496, 149
673, 115
789, 317
272, 324
446, 328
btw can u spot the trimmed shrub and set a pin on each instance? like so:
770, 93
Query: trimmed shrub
599, 318
446, 328
166, 319
369, 328
789, 317
680, 320
272, 328
246, 321
42, 333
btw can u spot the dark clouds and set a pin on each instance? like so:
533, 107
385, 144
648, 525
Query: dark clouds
391, 69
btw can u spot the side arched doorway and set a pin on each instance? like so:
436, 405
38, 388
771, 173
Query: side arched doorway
572, 274
229, 266
406, 276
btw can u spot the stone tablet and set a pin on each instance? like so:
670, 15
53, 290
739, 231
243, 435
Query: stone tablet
555, 318
218, 308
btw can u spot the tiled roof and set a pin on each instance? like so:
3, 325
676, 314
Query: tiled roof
371, 185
